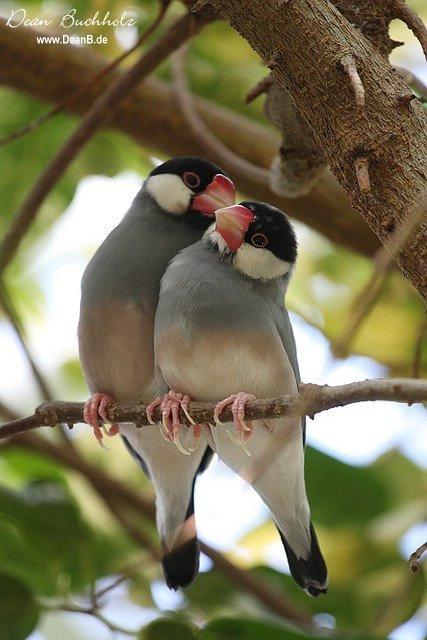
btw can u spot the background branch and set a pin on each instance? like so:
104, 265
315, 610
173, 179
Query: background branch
99, 113
150, 117
213, 145
368, 296
414, 558
70, 99
11, 314
117, 497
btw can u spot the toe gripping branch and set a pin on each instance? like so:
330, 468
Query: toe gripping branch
95, 412
238, 403
170, 405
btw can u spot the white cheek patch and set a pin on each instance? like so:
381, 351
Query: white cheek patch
169, 192
259, 264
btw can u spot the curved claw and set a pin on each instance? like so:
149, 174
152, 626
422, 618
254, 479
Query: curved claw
95, 409
242, 443
178, 444
150, 408
238, 402
112, 430
187, 415
232, 437
216, 417
164, 432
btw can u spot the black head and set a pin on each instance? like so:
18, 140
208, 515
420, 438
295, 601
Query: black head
260, 238
188, 185
271, 229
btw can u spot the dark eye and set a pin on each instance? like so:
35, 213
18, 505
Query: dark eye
191, 179
259, 240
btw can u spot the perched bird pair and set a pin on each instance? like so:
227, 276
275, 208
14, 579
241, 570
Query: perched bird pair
185, 299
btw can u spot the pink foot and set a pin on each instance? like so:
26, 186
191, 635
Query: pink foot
150, 409
95, 408
170, 405
238, 402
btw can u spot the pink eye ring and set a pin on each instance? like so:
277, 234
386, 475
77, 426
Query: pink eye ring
191, 179
259, 240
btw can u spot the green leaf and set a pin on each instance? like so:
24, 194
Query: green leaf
362, 493
254, 629
19, 611
46, 525
165, 629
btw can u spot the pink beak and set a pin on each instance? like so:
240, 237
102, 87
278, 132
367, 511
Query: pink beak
232, 224
219, 193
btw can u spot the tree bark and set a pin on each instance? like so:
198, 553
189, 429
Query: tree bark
150, 117
307, 39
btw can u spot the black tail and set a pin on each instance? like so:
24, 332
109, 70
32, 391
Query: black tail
181, 565
311, 574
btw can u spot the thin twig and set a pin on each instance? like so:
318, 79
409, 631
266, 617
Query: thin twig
311, 399
126, 574
231, 161
113, 490
101, 112
90, 611
7, 306
261, 87
370, 293
17, 326
349, 65
75, 95
415, 557
412, 21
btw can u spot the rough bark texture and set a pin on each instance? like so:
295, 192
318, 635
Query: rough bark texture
151, 118
373, 18
310, 400
307, 39
298, 167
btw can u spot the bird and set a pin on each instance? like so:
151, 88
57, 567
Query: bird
223, 334
119, 294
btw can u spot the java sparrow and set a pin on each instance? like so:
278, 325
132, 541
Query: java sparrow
119, 295
222, 331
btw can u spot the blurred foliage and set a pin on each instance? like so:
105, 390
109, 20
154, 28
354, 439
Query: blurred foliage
56, 538
55, 543
327, 276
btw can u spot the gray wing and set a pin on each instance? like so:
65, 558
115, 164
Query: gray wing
286, 332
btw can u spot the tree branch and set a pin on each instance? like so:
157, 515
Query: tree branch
412, 21
114, 492
368, 296
10, 312
311, 399
307, 39
99, 114
414, 558
213, 145
150, 117
70, 99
